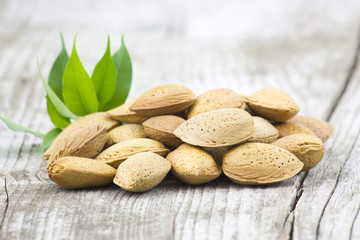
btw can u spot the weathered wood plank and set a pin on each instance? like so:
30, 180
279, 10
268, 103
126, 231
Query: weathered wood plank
330, 200
304, 47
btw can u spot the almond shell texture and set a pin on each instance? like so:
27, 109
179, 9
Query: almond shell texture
260, 163
217, 128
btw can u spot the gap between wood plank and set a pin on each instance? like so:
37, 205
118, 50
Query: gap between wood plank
299, 190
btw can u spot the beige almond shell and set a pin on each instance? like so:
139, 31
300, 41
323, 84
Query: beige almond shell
100, 118
77, 172
217, 152
119, 152
125, 132
288, 128
217, 128
124, 114
273, 104
84, 141
142, 172
264, 131
216, 99
320, 128
162, 128
163, 99
193, 165
307, 148
260, 163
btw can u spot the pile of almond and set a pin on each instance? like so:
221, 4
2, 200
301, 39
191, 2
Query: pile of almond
252, 140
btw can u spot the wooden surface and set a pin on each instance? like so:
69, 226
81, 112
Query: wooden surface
308, 48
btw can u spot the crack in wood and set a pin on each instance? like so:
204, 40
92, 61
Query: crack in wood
332, 192
353, 222
6, 206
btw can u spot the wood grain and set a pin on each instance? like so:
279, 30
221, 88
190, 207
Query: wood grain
308, 48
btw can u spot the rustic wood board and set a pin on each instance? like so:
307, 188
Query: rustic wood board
308, 48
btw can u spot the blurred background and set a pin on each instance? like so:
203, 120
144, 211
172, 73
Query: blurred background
304, 47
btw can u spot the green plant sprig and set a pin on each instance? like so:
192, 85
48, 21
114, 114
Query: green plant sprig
72, 93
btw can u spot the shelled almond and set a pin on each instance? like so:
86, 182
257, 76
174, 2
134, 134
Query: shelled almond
252, 140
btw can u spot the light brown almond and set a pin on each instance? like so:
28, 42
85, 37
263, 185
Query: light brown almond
216, 99
260, 163
264, 131
142, 172
162, 128
77, 172
320, 128
307, 148
273, 104
125, 132
289, 128
124, 114
84, 141
217, 152
163, 99
217, 128
193, 165
100, 118
119, 152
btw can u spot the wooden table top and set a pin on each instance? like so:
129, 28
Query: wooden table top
308, 48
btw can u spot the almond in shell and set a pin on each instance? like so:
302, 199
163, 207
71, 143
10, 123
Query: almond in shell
260, 163
124, 114
77, 172
288, 128
162, 128
273, 104
142, 172
217, 128
193, 165
84, 141
320, 128
119, 152
307, 148
216, 99
264, 131
100, 118
125, 132
163, 99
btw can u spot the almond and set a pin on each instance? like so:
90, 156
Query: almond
320, 128
289, 128
273, 104
216, 99
193, 165
162, 128
84, 141
77, 172
264, 131
142, 172
119, 152
124, 114
260, 163
125, 132
100, 118
163, 99
217, 128
307, 148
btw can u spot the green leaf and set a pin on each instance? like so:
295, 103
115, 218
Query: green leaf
78, 90
20, 128
123, 67
57, 70
104, 78
49, 138
58, 104
55, 117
